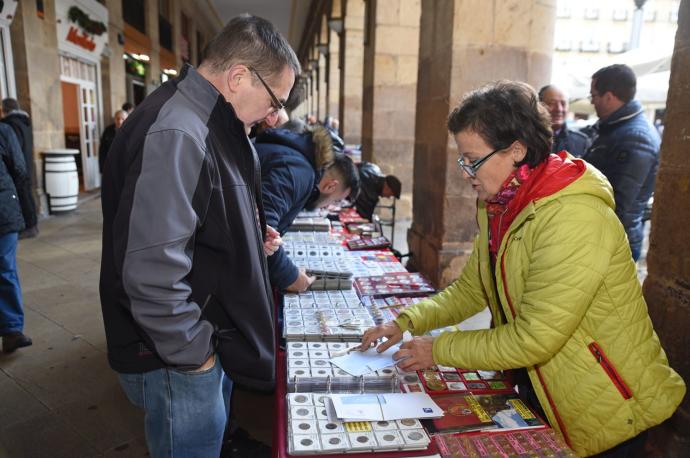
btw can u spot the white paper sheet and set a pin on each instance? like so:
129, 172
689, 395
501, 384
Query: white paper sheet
364, 362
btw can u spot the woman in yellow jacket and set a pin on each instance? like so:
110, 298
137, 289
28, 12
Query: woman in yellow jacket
553, 265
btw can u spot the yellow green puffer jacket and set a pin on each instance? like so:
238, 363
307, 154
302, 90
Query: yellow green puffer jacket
576, 317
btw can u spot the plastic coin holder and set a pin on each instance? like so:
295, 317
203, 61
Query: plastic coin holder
297, 353
413, 388
305, 426
408, 423
296, 345
336, 346
330, 427
317, 345
321, 413
334, 442
389, 440
321, 372
315, 363
388, 371
298, 363
297, 399
318, 399
416, 438
409, 377
318, 354
306, 372
362, 441
384, 425
302, 413
305, 443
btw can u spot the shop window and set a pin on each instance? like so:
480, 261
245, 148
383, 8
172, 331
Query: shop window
134, 14
165, 35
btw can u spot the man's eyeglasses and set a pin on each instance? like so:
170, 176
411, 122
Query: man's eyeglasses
471, 169
275, 103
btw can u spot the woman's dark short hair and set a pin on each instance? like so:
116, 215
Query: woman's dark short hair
254, 42
502, 112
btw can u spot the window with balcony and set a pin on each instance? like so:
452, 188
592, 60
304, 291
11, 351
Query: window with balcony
617, 47
620, 15
590, 46
650, 15
563, 12
592, 13
564, 45
134, 14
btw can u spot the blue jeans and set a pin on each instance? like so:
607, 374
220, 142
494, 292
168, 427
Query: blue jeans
11, 313
186, 412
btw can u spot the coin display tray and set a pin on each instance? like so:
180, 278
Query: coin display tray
398, 284
310, 433
324, 315
384, 309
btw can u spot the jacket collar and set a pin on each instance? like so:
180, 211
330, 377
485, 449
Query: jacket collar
624, 113
201, 91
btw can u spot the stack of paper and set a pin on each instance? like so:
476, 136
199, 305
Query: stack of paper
381, 407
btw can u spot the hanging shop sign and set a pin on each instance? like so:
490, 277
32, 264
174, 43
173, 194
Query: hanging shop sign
82, 27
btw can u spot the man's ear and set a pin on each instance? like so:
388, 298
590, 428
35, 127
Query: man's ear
235, 76
329, 186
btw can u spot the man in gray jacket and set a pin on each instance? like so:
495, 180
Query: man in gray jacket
184, 283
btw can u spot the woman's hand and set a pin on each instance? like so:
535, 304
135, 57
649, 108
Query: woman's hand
389, 330
415, 355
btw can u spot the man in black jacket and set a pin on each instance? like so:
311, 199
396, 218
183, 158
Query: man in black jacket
298, 171
183, 270
625, 148
556, 102
20, 122
108, 136
12, 176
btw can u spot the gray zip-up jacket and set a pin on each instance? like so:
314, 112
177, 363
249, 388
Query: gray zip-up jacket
183, 272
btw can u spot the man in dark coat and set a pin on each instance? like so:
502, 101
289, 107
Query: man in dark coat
374, 184
20, 123
556, 102
626, 148
12, 176
298, 171
108, 136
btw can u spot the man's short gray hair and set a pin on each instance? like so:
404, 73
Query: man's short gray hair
254, 42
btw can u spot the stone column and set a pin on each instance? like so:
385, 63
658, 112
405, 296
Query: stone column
322, 87
390, 84
351, 80
153, 76
333, 107
37, 76
462, 46
667, 287
113, 67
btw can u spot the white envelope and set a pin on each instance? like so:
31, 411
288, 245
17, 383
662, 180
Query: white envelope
380, 407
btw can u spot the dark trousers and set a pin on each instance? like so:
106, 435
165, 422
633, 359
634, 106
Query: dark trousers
632, 448
11, 313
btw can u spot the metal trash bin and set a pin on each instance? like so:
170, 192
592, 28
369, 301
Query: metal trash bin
60, 179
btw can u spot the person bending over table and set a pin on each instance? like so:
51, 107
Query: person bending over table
552, 263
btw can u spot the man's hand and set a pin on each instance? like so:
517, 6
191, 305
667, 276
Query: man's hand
272, 241
389, 330
210, 362
417, 354
303, 282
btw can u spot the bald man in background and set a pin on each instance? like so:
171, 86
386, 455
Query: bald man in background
556, 102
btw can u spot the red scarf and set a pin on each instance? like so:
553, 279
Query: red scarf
498, 208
